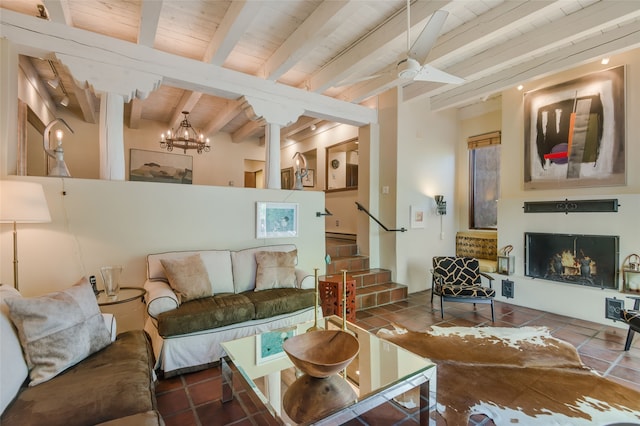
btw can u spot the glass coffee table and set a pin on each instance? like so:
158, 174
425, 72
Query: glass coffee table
380, 373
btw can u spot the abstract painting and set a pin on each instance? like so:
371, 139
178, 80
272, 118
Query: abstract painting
574, 133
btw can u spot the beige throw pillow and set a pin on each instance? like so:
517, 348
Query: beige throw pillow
58, 330
188, 277
275, 269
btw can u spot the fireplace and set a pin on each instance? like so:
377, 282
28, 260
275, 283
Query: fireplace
590, 260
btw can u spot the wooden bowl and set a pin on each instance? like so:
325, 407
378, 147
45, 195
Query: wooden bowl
322, 353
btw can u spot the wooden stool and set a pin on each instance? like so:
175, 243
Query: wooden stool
330, 289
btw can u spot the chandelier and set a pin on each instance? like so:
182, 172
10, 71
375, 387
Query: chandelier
185, 137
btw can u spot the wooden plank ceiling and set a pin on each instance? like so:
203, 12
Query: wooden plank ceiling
318, 45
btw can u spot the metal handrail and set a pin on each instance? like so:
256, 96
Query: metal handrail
361, 208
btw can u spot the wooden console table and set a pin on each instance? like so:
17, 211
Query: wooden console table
331, 291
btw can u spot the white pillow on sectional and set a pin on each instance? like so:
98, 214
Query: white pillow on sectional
245, 266
218, 264
13, 367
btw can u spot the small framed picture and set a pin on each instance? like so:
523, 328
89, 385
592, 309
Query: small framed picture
269, 345
286, 178
276, 220
309, 179
613, 307
418, 216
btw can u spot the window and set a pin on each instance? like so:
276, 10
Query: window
484, 176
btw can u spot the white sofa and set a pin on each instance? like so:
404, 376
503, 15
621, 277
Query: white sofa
230, 272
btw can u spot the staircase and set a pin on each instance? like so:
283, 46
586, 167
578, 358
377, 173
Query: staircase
373, 286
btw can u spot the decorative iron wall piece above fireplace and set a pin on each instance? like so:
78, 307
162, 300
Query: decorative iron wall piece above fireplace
572, 206
590, 260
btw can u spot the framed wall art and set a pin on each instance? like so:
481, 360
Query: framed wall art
310, 179
154, 166
286, 178
276, 220
418, 216
574, 133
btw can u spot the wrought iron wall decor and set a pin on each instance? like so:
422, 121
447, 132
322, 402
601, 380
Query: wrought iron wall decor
572, 206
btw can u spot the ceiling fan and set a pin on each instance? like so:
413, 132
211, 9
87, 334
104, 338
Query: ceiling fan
412, 66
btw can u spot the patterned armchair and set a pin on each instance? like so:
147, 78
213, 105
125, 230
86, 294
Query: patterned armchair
631, 317
458, 279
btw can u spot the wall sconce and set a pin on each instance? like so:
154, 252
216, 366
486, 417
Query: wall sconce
506, 262
441, 205
59, 166
301, 170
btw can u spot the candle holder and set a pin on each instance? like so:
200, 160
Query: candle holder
315, 327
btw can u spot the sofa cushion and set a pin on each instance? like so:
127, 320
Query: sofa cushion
188, 277
277, 301
275, 269
217, 262
205, 314
113, 383
59, 329
245, 267
13, 367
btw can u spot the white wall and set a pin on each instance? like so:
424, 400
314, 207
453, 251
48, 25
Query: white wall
426, 166
345, 214
96, 223
565, 299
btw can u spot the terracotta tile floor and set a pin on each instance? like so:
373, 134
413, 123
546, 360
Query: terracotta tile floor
194, 399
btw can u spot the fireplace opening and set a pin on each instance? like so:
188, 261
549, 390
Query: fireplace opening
590, 260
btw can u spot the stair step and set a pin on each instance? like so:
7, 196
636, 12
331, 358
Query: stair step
341, 248
350, 263
363, 278
373, 276
373, 285
380, 294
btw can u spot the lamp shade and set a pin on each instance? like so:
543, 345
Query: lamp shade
23, 202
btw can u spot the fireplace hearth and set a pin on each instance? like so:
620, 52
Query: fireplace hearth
589, 260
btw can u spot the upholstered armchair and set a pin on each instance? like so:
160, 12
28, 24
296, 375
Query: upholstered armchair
631, 317
458, 279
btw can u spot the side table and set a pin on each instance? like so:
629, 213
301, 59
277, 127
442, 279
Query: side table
126, 294
331, 292
127, 307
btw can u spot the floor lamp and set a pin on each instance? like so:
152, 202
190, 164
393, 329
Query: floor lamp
22, 202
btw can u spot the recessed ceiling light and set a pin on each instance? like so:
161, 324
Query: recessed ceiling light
520, 87
604, 61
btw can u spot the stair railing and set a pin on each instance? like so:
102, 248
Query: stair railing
361, 208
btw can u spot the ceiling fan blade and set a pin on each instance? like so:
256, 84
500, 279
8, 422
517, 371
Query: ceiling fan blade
429, 73
352, 81
427, 38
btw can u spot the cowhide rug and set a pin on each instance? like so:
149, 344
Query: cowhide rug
516, 376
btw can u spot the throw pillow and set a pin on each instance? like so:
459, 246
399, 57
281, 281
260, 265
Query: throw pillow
58, 330
13, 367
275, 269
188, 277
